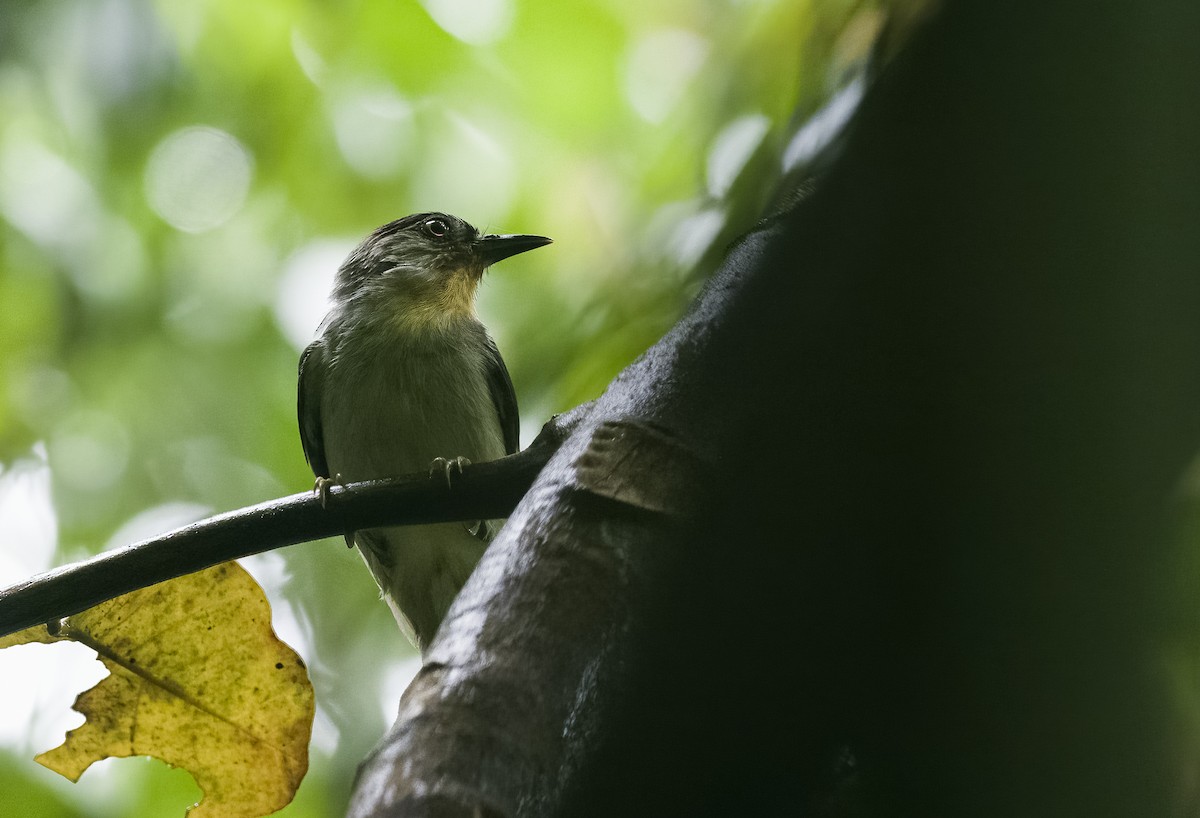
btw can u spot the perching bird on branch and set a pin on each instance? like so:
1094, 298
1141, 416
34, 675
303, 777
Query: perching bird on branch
403, 378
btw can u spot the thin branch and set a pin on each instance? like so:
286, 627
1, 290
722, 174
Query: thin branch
482, 491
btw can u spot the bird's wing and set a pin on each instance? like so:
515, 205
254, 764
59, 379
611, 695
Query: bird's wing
503, 396
308, 407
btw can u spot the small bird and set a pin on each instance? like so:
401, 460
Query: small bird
403, 377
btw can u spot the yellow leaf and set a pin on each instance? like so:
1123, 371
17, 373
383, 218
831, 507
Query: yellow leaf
199, 680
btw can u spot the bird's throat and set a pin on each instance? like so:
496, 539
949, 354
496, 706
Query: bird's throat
451, 302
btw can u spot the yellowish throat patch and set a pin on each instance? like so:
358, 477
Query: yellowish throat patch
453, 300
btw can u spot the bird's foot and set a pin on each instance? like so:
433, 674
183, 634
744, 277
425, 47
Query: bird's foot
444, 466
477, 529
322, 485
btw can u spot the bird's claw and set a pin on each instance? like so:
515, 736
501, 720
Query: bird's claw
445, 466
322, 485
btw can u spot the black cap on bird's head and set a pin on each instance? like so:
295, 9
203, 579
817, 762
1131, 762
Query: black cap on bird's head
427, 257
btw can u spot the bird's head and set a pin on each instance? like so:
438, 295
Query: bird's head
423, 268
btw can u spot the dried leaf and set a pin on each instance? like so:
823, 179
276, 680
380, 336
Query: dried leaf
197, 679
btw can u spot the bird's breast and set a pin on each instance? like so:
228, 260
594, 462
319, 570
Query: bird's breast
398, 407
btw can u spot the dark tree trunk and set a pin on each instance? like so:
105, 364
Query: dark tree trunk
881, 527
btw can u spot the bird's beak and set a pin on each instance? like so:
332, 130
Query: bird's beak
497, 248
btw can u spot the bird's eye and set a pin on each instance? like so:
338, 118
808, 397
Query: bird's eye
436, 228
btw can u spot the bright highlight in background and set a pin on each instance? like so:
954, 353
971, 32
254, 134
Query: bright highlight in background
302, 298
374, 130
37, 683
28, 526
473, 21
197, 178
659, 68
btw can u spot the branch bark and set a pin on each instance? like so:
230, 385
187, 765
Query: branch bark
528, 661
483, 491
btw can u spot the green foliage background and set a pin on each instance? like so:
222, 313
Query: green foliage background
176, 177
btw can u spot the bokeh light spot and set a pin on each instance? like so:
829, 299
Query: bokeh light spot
694, 235
28, 524
89, 450
374, 131
302, 298
821, 129
197, 178
310, 62
658, 69
473, 21
42, 195
732, 149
